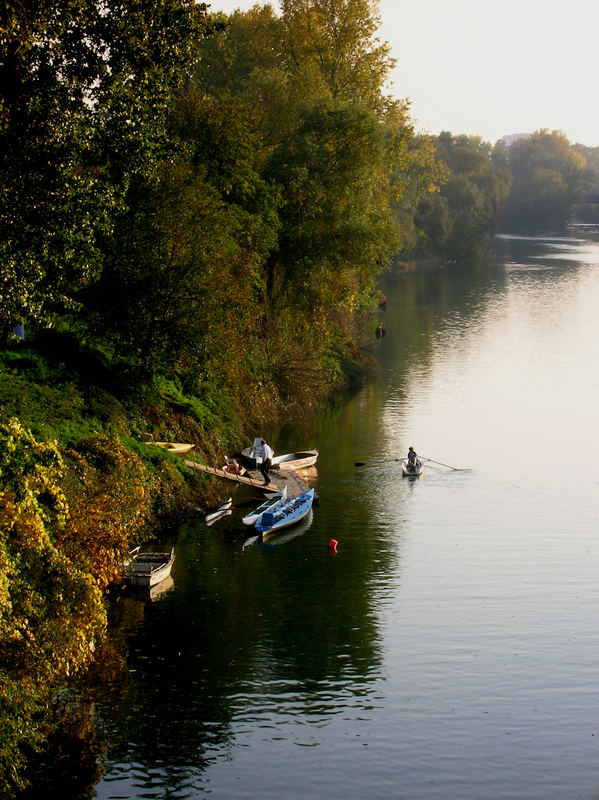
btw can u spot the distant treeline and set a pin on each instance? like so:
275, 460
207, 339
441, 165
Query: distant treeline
551, 179
536, 184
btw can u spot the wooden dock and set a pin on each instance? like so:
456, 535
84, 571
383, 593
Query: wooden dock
253, 477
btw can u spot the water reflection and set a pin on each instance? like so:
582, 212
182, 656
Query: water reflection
268, 543
213, 659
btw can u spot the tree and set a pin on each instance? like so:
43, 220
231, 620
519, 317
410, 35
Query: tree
329, 172
66, 522
549, 175
51, 611
310, 86
471, 200
84, 118
312, 81
179, 287
434, 223
419, 212
336, 41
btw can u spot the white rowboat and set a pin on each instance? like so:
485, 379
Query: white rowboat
147, 568
411, 470
226, 506
296, 461
302, 459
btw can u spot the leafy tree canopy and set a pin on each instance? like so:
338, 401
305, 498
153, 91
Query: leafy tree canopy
464, 216
549, 175
86, 88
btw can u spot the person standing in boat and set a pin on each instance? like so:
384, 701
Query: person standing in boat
412, 457
267, 453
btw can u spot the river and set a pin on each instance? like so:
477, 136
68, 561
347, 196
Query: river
450, 648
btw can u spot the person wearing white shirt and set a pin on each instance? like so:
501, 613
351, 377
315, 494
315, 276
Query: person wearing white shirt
267, 453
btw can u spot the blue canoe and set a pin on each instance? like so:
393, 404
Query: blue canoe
287, 514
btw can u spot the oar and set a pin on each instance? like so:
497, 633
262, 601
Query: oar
380, 461
432, 460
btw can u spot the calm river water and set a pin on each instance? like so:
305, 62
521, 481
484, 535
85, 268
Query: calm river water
450, 649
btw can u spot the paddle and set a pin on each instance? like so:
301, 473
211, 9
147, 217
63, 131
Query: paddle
380, 461
432, 460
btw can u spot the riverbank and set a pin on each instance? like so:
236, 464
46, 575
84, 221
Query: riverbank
101, 417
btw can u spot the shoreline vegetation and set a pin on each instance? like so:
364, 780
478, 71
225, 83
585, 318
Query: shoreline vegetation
196, 210
79, 487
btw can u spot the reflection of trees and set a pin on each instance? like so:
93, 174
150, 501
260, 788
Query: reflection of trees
433, 302
539, 259
69, 761
163, 709
191, 661
325, 629
428, 305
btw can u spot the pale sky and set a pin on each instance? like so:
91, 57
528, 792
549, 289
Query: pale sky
492, 67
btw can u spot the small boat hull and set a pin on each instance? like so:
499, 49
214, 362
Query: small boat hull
302, 459
289, 513
296, 461
148, 568
160, 589
411, 471
220, 511
280, 537
220, 515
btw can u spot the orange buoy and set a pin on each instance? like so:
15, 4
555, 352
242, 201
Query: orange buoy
333, 545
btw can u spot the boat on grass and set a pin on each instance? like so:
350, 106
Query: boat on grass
220, 511
147, 567
288, 513
409, 469
302, 459
270, 504
178, 448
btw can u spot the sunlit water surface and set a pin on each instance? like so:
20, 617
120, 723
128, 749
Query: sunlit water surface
450, 649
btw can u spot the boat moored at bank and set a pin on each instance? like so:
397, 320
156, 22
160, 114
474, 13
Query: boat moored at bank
301, 459
287, 514
271, 503
147, 567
